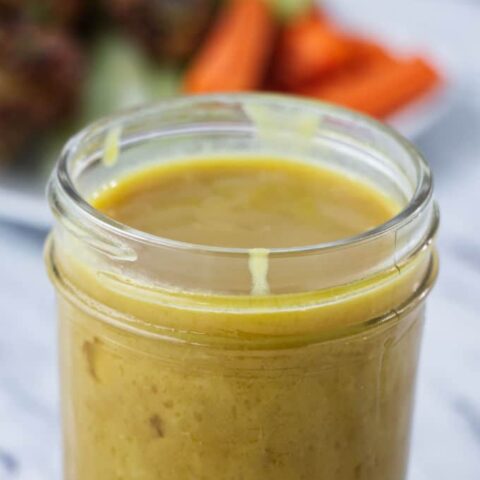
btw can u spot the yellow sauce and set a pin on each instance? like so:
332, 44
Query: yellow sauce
252, 387
245, 203
258, 265
111, 148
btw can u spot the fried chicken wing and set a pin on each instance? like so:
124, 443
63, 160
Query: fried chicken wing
167, 28
42, 12
40, 77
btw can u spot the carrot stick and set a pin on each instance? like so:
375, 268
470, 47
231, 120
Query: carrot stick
380, 88
308, 48
366, 52
235, 54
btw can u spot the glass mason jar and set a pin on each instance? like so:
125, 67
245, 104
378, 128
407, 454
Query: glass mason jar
172, 370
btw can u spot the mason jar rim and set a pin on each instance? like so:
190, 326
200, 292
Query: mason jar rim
62, 179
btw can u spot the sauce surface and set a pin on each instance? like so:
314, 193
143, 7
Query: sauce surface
245, 203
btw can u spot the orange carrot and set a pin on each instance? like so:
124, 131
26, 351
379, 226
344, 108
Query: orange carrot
378, 89
366, 52
236, 52
308, 48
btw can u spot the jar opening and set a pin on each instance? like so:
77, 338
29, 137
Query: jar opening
243, 124
70, 166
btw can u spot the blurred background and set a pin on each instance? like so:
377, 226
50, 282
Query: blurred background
414, 64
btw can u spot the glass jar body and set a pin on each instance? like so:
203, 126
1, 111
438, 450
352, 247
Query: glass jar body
336, 410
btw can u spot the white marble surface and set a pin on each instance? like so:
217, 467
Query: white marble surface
446, 440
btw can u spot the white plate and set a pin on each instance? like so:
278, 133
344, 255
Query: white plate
23, 207
406, 25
